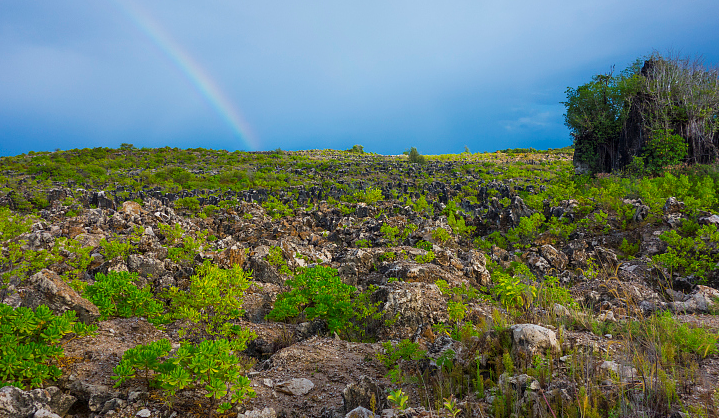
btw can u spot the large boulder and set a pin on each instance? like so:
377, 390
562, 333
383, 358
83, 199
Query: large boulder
47, 288
17, 403
531, 339
412, 306
556, 258
702, 300
146, 266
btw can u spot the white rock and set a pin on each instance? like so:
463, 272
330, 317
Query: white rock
295, 387
533, 339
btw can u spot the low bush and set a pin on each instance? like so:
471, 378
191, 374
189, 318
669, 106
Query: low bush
30, 344
317, 292
115, 295
212, 304
209, 365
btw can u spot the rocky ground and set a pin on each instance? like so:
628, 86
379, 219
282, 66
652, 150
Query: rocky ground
536, 357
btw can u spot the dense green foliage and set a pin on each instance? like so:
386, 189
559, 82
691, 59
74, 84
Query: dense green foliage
209, 365
115, 294
30, 344
213, 303
317, 292
666, 105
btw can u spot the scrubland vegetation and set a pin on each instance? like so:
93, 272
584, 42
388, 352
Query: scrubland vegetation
500, 284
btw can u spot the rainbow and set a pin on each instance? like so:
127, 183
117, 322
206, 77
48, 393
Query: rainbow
194, 72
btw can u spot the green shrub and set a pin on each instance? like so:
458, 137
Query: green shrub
190, 204
357, 149
172, 234
276, 209
30, 344
630, 250
19, 262
191, 246
441, 235
511, 292
275, 258
212, 302
458, 226
210, 210
317, 292
115, 295
425, 258
689, 255
415, 157
116, 248
403, 350
209, 365
390, 233
12, 225
664, 149
424, 245
528, 229
551, 292
362, 243
368, 196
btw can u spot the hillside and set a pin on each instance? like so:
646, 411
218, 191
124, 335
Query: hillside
313, 283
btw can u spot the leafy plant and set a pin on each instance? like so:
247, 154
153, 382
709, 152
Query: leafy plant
209, 365
390, 233
116, 248
523, 234
398, 398
190, 204
317, 292
212, 303
362, 243
425, 258
276, 209
424, 245
30, 344
441, 235
275, 258
689, 255
512, 293
115, 294
415, 157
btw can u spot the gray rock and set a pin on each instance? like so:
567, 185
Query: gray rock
414, 305
360, 412
47, 288
145, 266
530, 339
17, 403
95, 395
641, 213
295, 387
702, 300
143, 413
625, 373
556, 258
476, 267
256, 413
361, 393
44, 413
673, 205
263, 271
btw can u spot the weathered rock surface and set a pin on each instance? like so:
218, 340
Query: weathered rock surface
47, 288
17, 403
531, 339
295, 387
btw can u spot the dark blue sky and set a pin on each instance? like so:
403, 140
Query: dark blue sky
319, 74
